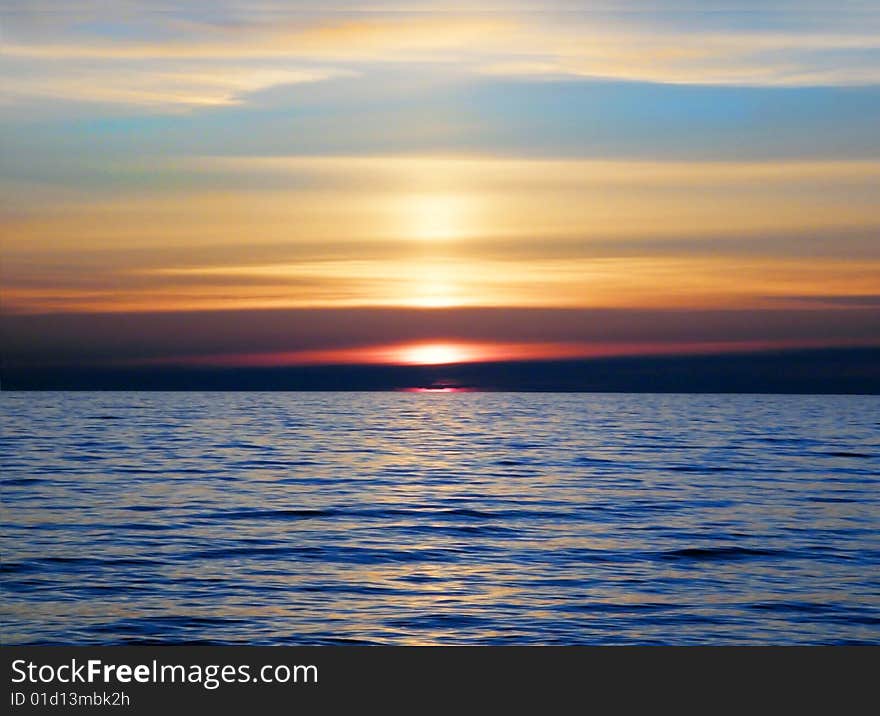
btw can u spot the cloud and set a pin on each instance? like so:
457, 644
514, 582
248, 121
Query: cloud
433, 231
106, 337
140, 57
181, 86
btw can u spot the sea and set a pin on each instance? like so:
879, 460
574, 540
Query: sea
439, 518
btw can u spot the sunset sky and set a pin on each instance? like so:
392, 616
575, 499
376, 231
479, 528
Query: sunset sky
265, 183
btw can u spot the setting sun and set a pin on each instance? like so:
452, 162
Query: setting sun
435, 354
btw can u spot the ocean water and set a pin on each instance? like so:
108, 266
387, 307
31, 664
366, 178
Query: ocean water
439, 518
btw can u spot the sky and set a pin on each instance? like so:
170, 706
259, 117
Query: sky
265, 184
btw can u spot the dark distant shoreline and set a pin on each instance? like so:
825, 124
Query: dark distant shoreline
844, 371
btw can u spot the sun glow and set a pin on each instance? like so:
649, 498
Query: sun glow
438, 216
435, 354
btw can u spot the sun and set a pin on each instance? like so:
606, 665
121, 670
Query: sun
434, 354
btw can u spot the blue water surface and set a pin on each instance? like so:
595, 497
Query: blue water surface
439, 518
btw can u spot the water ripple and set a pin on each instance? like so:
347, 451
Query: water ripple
348, 518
